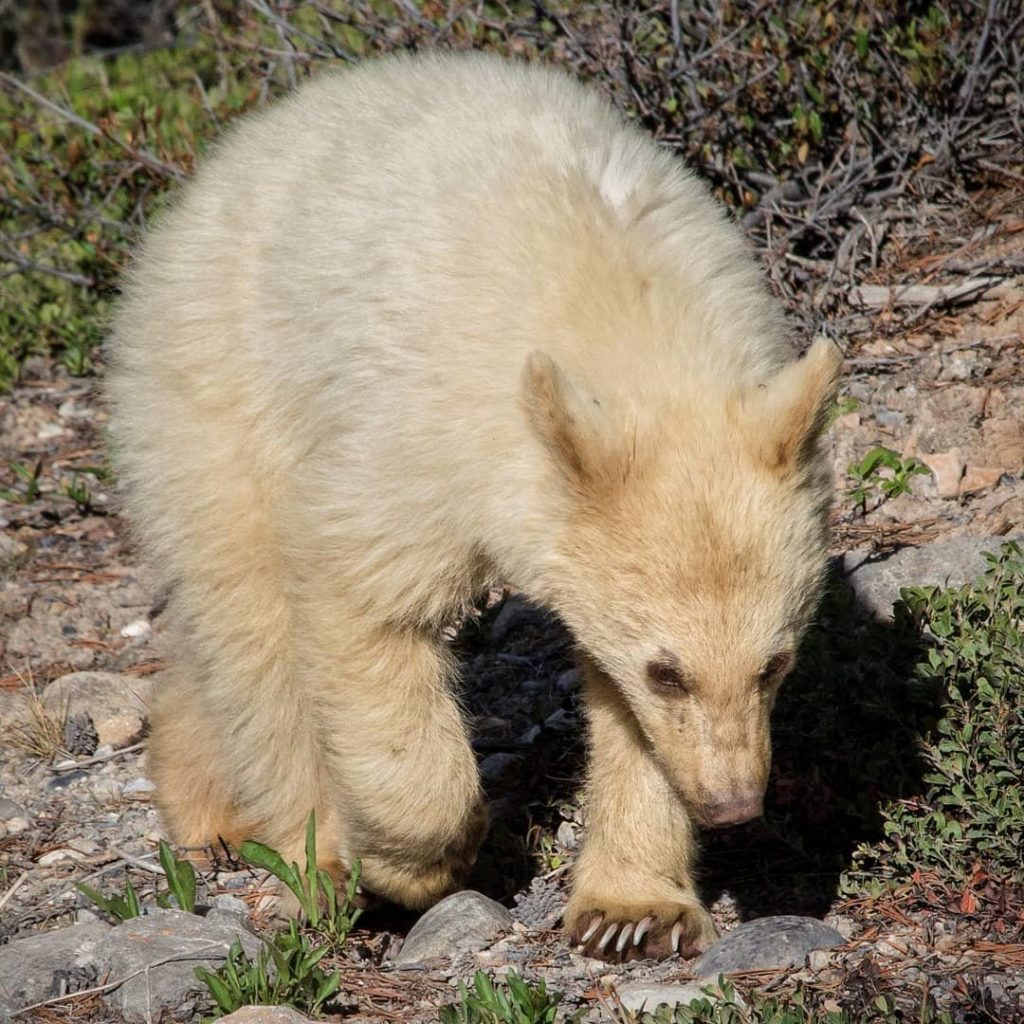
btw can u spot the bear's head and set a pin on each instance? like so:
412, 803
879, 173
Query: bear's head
690, 555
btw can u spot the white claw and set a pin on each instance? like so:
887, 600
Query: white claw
677, 934
627, 930
641, 929
594, 925
612, 929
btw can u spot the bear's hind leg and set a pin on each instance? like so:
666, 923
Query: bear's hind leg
185, 758
633, 893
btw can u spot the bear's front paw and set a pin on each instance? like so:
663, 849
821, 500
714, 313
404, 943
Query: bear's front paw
633, 931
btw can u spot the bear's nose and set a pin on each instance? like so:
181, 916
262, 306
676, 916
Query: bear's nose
735, 810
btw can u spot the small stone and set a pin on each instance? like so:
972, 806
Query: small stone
115, 703
568, 680
768, 942
230, 906
264, 1015
157, 956
141, 785
9, 809
494, 766
80, 844
54, 857
948, 469
566, 836
106, 789
140, 627
16, 825
818, 959
464, 922
980, 478
529, 737
846, 926
66, 779
649, 997
889, 419
561, 721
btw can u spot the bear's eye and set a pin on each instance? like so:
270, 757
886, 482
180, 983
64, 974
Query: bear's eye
778, 665
666, 676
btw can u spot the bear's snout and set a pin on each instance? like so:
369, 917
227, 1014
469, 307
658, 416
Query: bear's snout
735, 810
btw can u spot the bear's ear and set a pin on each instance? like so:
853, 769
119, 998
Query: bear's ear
790, 412
573, 425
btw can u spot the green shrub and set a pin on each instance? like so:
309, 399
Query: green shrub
972, 811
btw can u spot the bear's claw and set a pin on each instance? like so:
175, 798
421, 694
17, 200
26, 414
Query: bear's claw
650, 936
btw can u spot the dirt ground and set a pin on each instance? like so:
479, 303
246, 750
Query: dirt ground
939, 380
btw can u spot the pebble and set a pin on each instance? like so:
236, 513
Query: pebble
264, 1015
768, 942
464, 922
140, 627
115, 703
140, 785
638, 997
10, 810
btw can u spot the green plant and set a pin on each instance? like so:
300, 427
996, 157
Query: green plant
121, 908
972, 812
515, 1002
28, 477
181, 880
882, 473
313, 888
286, 971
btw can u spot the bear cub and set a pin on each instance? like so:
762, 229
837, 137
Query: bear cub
426, 325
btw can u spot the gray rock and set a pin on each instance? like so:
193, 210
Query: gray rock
38, 967
264, 1015
946, 562
464, 922
494, 766
9, 809
228, 906
768, 942
639, 996
156, 955
117, 704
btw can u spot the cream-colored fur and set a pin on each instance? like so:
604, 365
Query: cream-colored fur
428, 324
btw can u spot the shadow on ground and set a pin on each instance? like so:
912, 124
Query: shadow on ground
844, 743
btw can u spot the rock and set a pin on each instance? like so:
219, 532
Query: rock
649, 997
948, 469
264, 1015
157, 956
36, 968
115, 703
846, 926
889, 419
494, 766
768, 942
140, 785
229, 906
946, 562
80, 734
9, 809
980, 478
464, 922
